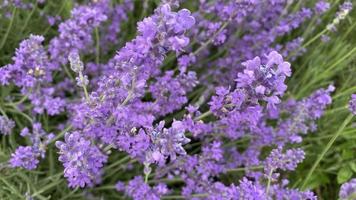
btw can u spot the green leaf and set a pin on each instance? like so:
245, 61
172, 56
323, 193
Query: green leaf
353, 166
344, 175
347, 154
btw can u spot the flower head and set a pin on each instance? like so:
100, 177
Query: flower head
81, 159
6, 125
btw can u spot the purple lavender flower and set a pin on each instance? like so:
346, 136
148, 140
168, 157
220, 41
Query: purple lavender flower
352, 104
117, 16
6, 125
32, 72
321, 6
38, 137
137, 189
302, 115
31, 64
170, 92
81, 159
167, 143
75, 34
267, 79
348, 190
248, 190
26, 157
284, 161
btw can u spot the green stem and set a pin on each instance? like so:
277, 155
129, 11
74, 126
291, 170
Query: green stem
119, 162
269, 181
167, 180
4, 39
348, 92
205, 44
182, 197
202, 116
322, 75
325, 150
15, 110
3, 112
107, 187
18, 102
28, 18
70, 194
84, 86
68, 73
244, 169
62, 133
97, 38
58, 13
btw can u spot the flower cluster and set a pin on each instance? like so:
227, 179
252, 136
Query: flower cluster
75, 33
348, 190
190, 98
27, 156
82, 160
6, 125
138, 189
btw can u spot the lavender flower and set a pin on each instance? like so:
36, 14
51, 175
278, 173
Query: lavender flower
321, 6
26, 157
77, 66
31, 64
32, 72
6, 125
38, 137
352, 104
344, 10
81, 159
137, 189
75, 34
348, 190
284, 161
167, 143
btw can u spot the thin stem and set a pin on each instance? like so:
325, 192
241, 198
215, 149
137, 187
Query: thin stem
202, 116
58, 13
97, 38
127, 99
81, 77
314, 38
269, 181
106, 187
340, 60
325, 150
119, 162
244, 169
28, 18
166, 180
4, 39
348, 92
70, 194
205, 44
68, 73
24, 98
146, 177
183, 197
15, 110
3, 112
62, 133
322, 75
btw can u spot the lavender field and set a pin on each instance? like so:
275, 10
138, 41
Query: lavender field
177, 99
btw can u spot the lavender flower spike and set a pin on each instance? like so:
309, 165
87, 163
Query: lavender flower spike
81, 159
